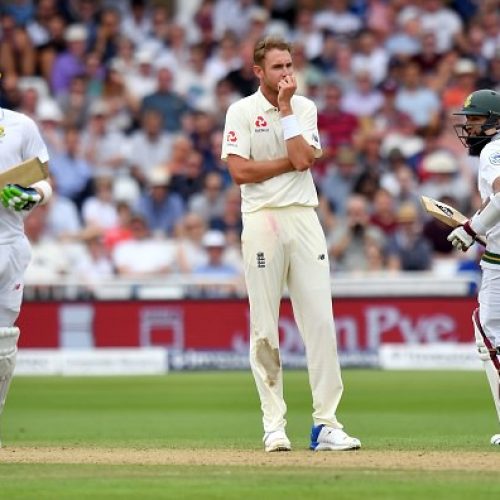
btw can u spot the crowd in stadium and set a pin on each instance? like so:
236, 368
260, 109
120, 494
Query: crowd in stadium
130, 97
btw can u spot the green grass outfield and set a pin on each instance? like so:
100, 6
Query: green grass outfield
115, 437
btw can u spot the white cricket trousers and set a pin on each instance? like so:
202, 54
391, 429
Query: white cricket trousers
489, 304
286, 246
14, 259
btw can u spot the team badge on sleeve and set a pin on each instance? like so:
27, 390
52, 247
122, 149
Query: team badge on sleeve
494, 158
231, 137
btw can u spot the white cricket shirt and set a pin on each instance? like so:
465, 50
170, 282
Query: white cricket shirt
20, 140
253, 131
489, 170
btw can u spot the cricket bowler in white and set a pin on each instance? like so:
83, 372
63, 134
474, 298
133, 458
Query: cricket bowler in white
270, 143
20, 140
481, 134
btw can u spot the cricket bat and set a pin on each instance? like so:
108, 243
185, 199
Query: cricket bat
25, 173
447, 214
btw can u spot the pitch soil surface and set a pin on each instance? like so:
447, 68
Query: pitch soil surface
361, 459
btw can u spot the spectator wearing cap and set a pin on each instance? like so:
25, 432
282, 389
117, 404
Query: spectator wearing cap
149, 145
166, 101
49, 118
463, 83
440, 173
404, 41
140, 80
214, 243
103, 147
71, 62
161, 208
407, 248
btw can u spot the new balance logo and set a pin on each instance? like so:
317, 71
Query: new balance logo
261, 260
321, 256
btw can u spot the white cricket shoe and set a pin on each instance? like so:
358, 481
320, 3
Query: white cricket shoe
276, 441
495, 440
324, 438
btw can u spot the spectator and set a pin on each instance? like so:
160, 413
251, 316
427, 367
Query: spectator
137, 21
464, 82
215, 268
416, 100
404, 41
149, 146
350, 239
243, 78
121, 231
17, 54
225, 57
140, 80
305, 33
336, 18
95, 265
39, 25
49, 118
71, 62
209, 203
161, 208
370, 57
75, 104
191, 253
383, 213
167, 102
143, 255
189, 181
340, 178
70, 170
440, 169
363, 99
408, 250
107, 36
99, 210
230, 222
336, 126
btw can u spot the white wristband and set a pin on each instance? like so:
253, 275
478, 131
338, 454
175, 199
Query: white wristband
291, 127
46, 190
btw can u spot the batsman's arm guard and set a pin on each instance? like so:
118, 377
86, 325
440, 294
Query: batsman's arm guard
488, 217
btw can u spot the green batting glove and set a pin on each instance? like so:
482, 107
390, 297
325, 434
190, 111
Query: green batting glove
18, 198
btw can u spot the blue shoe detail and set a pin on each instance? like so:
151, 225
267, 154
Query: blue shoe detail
316, 429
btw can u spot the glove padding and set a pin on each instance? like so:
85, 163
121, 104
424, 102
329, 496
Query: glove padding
462, 237
19, 198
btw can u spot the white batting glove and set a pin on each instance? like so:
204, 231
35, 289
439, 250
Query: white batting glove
19, 198
462, 237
